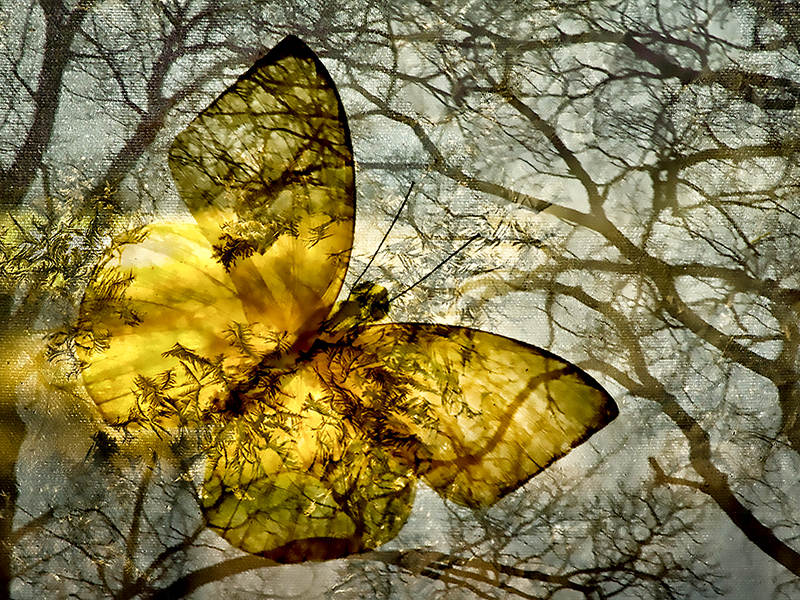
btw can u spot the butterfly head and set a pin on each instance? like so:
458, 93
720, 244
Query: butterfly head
367, 303
371, 299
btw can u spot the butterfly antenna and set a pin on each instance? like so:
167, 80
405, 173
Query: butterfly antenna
385, 235
432, 271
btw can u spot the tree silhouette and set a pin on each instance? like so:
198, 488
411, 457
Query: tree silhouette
630, 169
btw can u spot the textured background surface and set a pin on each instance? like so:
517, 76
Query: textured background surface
630, 168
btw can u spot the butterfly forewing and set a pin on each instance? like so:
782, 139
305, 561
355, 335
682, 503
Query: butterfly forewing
267, 172
490, 412
355, 421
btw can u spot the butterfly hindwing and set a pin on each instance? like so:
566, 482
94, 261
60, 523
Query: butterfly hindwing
304, 474
149, 297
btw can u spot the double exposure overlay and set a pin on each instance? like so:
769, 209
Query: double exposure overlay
235, 338
317, 423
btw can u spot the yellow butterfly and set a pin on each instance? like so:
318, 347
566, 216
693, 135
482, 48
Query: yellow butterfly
320, 420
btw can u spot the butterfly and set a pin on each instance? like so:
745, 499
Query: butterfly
320, 419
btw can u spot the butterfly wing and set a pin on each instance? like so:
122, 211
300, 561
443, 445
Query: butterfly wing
302, 474
488, 412
267, 173
156, 292
326, 466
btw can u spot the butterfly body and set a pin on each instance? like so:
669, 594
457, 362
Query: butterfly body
321, 417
